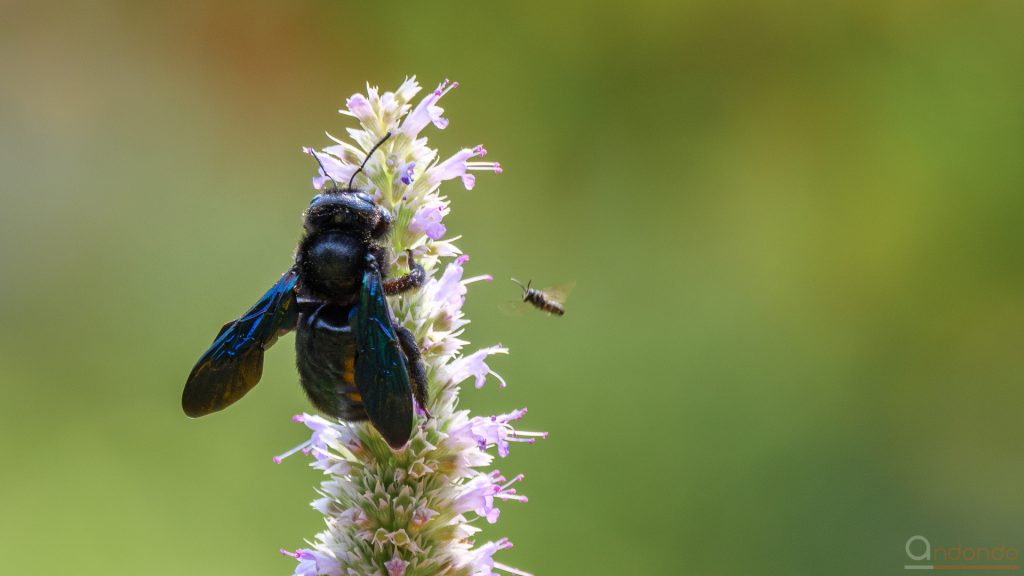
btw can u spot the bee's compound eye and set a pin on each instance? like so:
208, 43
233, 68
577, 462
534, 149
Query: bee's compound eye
364, 197
316, 199
383, 222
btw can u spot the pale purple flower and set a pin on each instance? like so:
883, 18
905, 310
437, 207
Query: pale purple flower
378, 110
470, 453
314, 563
446, 248
422, 515
447, 345
482, 559
427, 220
426, 112
443, 297
449, 291
406, 173
324, 433
474, 365
459, 165
409, 88
487, 431
396, 566
336, 169
359, 107
478, 495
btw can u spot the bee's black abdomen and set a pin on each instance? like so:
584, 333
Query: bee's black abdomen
325, 352
537, 298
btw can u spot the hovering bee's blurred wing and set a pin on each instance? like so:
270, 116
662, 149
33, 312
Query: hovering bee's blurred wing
559, 292
234, 362
381, 375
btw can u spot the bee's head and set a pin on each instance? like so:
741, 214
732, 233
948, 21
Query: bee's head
346, 211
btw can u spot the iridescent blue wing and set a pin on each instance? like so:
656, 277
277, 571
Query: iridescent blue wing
381, 375
234, 362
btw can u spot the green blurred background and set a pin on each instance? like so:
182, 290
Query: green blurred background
796, 335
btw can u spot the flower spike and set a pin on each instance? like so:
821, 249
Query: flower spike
412, 513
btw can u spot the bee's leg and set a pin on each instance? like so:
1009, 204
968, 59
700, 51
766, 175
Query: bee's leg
415, 366
414, 279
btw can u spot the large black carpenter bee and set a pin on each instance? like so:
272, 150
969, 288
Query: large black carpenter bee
355, 362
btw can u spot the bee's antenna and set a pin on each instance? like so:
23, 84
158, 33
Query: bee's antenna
368, 155
326, 173
520, 284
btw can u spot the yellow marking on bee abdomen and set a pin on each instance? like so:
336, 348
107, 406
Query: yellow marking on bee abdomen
348, 372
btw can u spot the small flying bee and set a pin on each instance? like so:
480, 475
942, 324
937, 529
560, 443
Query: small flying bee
550, 300
354, 361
